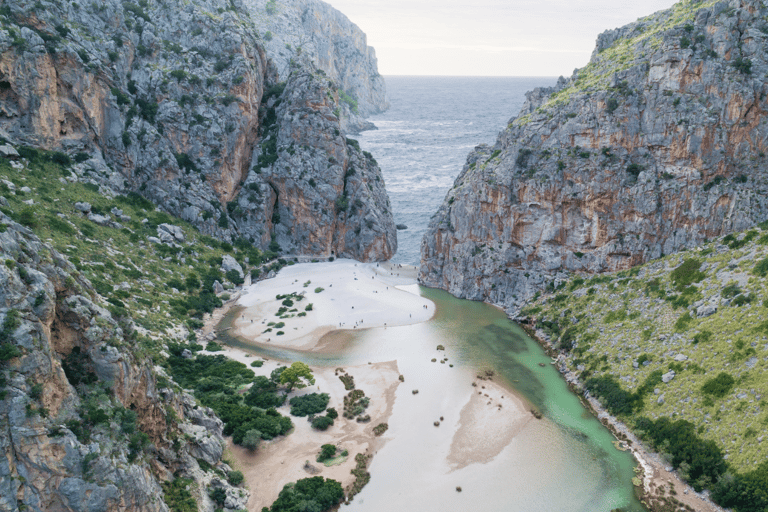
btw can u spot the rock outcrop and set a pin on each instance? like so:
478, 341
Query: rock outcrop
313, 190
656, 145
314, 34
86, 424
165, 99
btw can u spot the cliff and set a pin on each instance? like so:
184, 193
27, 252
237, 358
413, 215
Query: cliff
655, 146
165, 99
86, 422
314, 34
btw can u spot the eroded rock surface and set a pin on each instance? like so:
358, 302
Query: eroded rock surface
165, 99
85, 424
655, 146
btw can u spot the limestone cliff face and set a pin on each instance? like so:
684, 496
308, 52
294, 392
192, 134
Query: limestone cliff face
314, 34
85, 424
313, 190
656, 145
160, 98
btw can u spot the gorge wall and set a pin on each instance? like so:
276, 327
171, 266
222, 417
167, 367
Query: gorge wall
165, 99
313, 33
656, 145
79, 405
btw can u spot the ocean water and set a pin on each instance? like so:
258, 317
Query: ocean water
424, 138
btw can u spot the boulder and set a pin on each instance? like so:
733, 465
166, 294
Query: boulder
83, 207
8, 151
706, 310
229, 263
174, 231
667, 377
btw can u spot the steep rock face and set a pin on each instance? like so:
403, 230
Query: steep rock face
84, 424
658, 144
315, 34
160, 98
314, 191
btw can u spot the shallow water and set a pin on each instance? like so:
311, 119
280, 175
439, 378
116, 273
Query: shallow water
566, 461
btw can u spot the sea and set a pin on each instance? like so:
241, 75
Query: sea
423, 140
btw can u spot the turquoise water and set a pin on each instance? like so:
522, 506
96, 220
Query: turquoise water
567, 461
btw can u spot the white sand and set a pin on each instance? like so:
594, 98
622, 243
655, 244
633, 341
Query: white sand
355, 296
474, 435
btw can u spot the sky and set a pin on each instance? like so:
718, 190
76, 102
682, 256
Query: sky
488, 37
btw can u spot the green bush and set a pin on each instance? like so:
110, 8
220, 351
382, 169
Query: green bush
687, 273
744, 492
313, 403
617, 400
327, 451
263, 394
233, 276
314, 494
718, 386
322, 423
177, 496
235, 477
702, 460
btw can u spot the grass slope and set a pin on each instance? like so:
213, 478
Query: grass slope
164, 289
623, 332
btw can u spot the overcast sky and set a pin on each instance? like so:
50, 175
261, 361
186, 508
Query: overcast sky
488, 37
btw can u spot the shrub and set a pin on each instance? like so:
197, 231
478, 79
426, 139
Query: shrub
742, 65
611, 105
687, 273
257, 364
332, 413
313, 403
702, 460
177, 496
761, 269
617, 400
322, 423
327, 451
718, 386
235, 477
380, 429
634, 169
251, 440
315, 494
234, 277
319, 289
27, 218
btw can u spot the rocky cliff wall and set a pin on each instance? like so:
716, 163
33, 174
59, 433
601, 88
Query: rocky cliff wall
313, 190
313, 33
160, 98
85, 424
656, 145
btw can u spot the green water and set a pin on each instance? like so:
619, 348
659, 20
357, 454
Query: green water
565, 462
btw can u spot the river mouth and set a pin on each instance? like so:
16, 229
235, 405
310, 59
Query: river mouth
565, 461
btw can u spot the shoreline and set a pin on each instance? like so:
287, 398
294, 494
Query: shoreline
472, 432
657, 478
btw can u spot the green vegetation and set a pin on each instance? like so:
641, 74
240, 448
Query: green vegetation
316, 494
216, 381
646, 38
112, 256
622, 332
298, 375
327, 451
313, 403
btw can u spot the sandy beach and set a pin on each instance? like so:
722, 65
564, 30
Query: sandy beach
344, 295
480, 418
